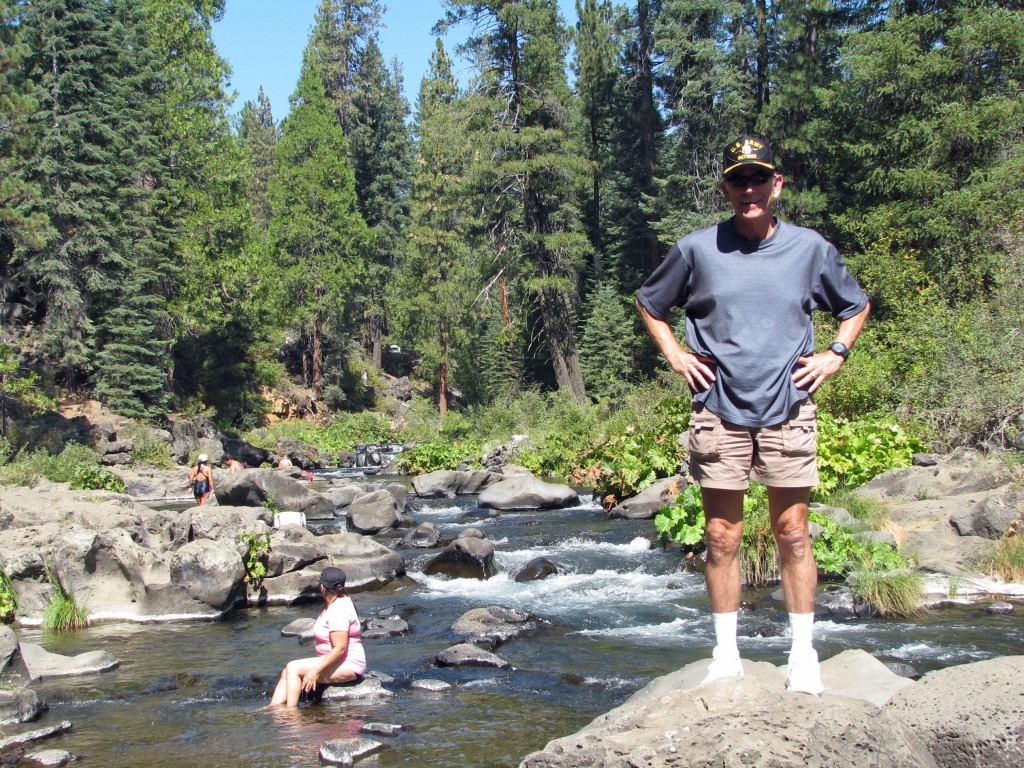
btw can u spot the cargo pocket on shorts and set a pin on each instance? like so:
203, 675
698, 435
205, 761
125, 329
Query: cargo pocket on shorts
800, 434
705, 434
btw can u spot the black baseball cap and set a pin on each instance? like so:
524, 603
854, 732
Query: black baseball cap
747, 150
332, 579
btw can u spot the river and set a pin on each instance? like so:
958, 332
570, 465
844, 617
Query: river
190, 694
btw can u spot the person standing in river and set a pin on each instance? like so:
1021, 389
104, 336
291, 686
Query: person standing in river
748, 286
200, 479
340, 656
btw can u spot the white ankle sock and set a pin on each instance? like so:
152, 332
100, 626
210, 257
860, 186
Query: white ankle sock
725, 634
801, 627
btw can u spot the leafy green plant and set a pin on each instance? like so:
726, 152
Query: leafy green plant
94, 479
894, 593
838, 550
8, 598
634, 459
257, 556
684, 521
64, 612
852, 452
271, 503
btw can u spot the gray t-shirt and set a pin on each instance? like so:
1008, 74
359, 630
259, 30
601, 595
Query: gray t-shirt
748, 306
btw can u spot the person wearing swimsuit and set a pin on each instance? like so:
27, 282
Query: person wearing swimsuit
200, 479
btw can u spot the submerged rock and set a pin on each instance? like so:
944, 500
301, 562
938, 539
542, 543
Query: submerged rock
21, 705
347, 751
41, 663
468, 655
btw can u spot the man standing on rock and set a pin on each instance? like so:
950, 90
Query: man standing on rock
748, 286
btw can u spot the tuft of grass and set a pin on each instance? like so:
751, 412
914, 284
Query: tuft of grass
897, 593
64, 613
1006, 560
759, 562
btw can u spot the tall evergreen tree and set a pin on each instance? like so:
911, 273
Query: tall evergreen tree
382, 154
259, 135
23, 224
632, 244
98, 163
319, 234
341, 32
529, 170
439, 276
596, 68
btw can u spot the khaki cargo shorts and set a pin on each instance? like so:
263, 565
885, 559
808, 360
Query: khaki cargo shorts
727, 456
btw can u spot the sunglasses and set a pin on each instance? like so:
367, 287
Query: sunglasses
754, 179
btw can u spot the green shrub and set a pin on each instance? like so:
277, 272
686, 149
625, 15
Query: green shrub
62, 467
634, 459
342, 435
683, 520
147, 448
896, 593
429, 457
95, 479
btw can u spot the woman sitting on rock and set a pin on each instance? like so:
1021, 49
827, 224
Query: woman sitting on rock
340, 657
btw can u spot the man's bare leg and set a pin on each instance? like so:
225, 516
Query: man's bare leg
788, 510
723, 511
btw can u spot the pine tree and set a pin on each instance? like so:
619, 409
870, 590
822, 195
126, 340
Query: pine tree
19, 226
528, 170
372, 110
439, 276
259, 135
709, 77
97, 163
632, 245
316, 227
608, 344
596, 73
382, 154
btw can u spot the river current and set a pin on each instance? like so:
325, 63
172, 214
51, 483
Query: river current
190, 694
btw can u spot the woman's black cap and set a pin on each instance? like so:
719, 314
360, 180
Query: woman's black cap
332, 579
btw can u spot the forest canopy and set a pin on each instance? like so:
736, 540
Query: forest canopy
159, 254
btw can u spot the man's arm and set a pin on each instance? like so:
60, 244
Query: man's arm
686, 364
817, 368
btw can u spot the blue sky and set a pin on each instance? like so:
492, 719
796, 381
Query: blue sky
263, 41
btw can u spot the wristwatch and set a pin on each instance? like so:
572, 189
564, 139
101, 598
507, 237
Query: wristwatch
840, 349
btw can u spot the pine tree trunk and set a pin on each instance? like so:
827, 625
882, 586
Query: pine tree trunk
316, 352
558, 326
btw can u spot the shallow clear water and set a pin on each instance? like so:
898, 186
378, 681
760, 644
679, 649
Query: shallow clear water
622, 613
